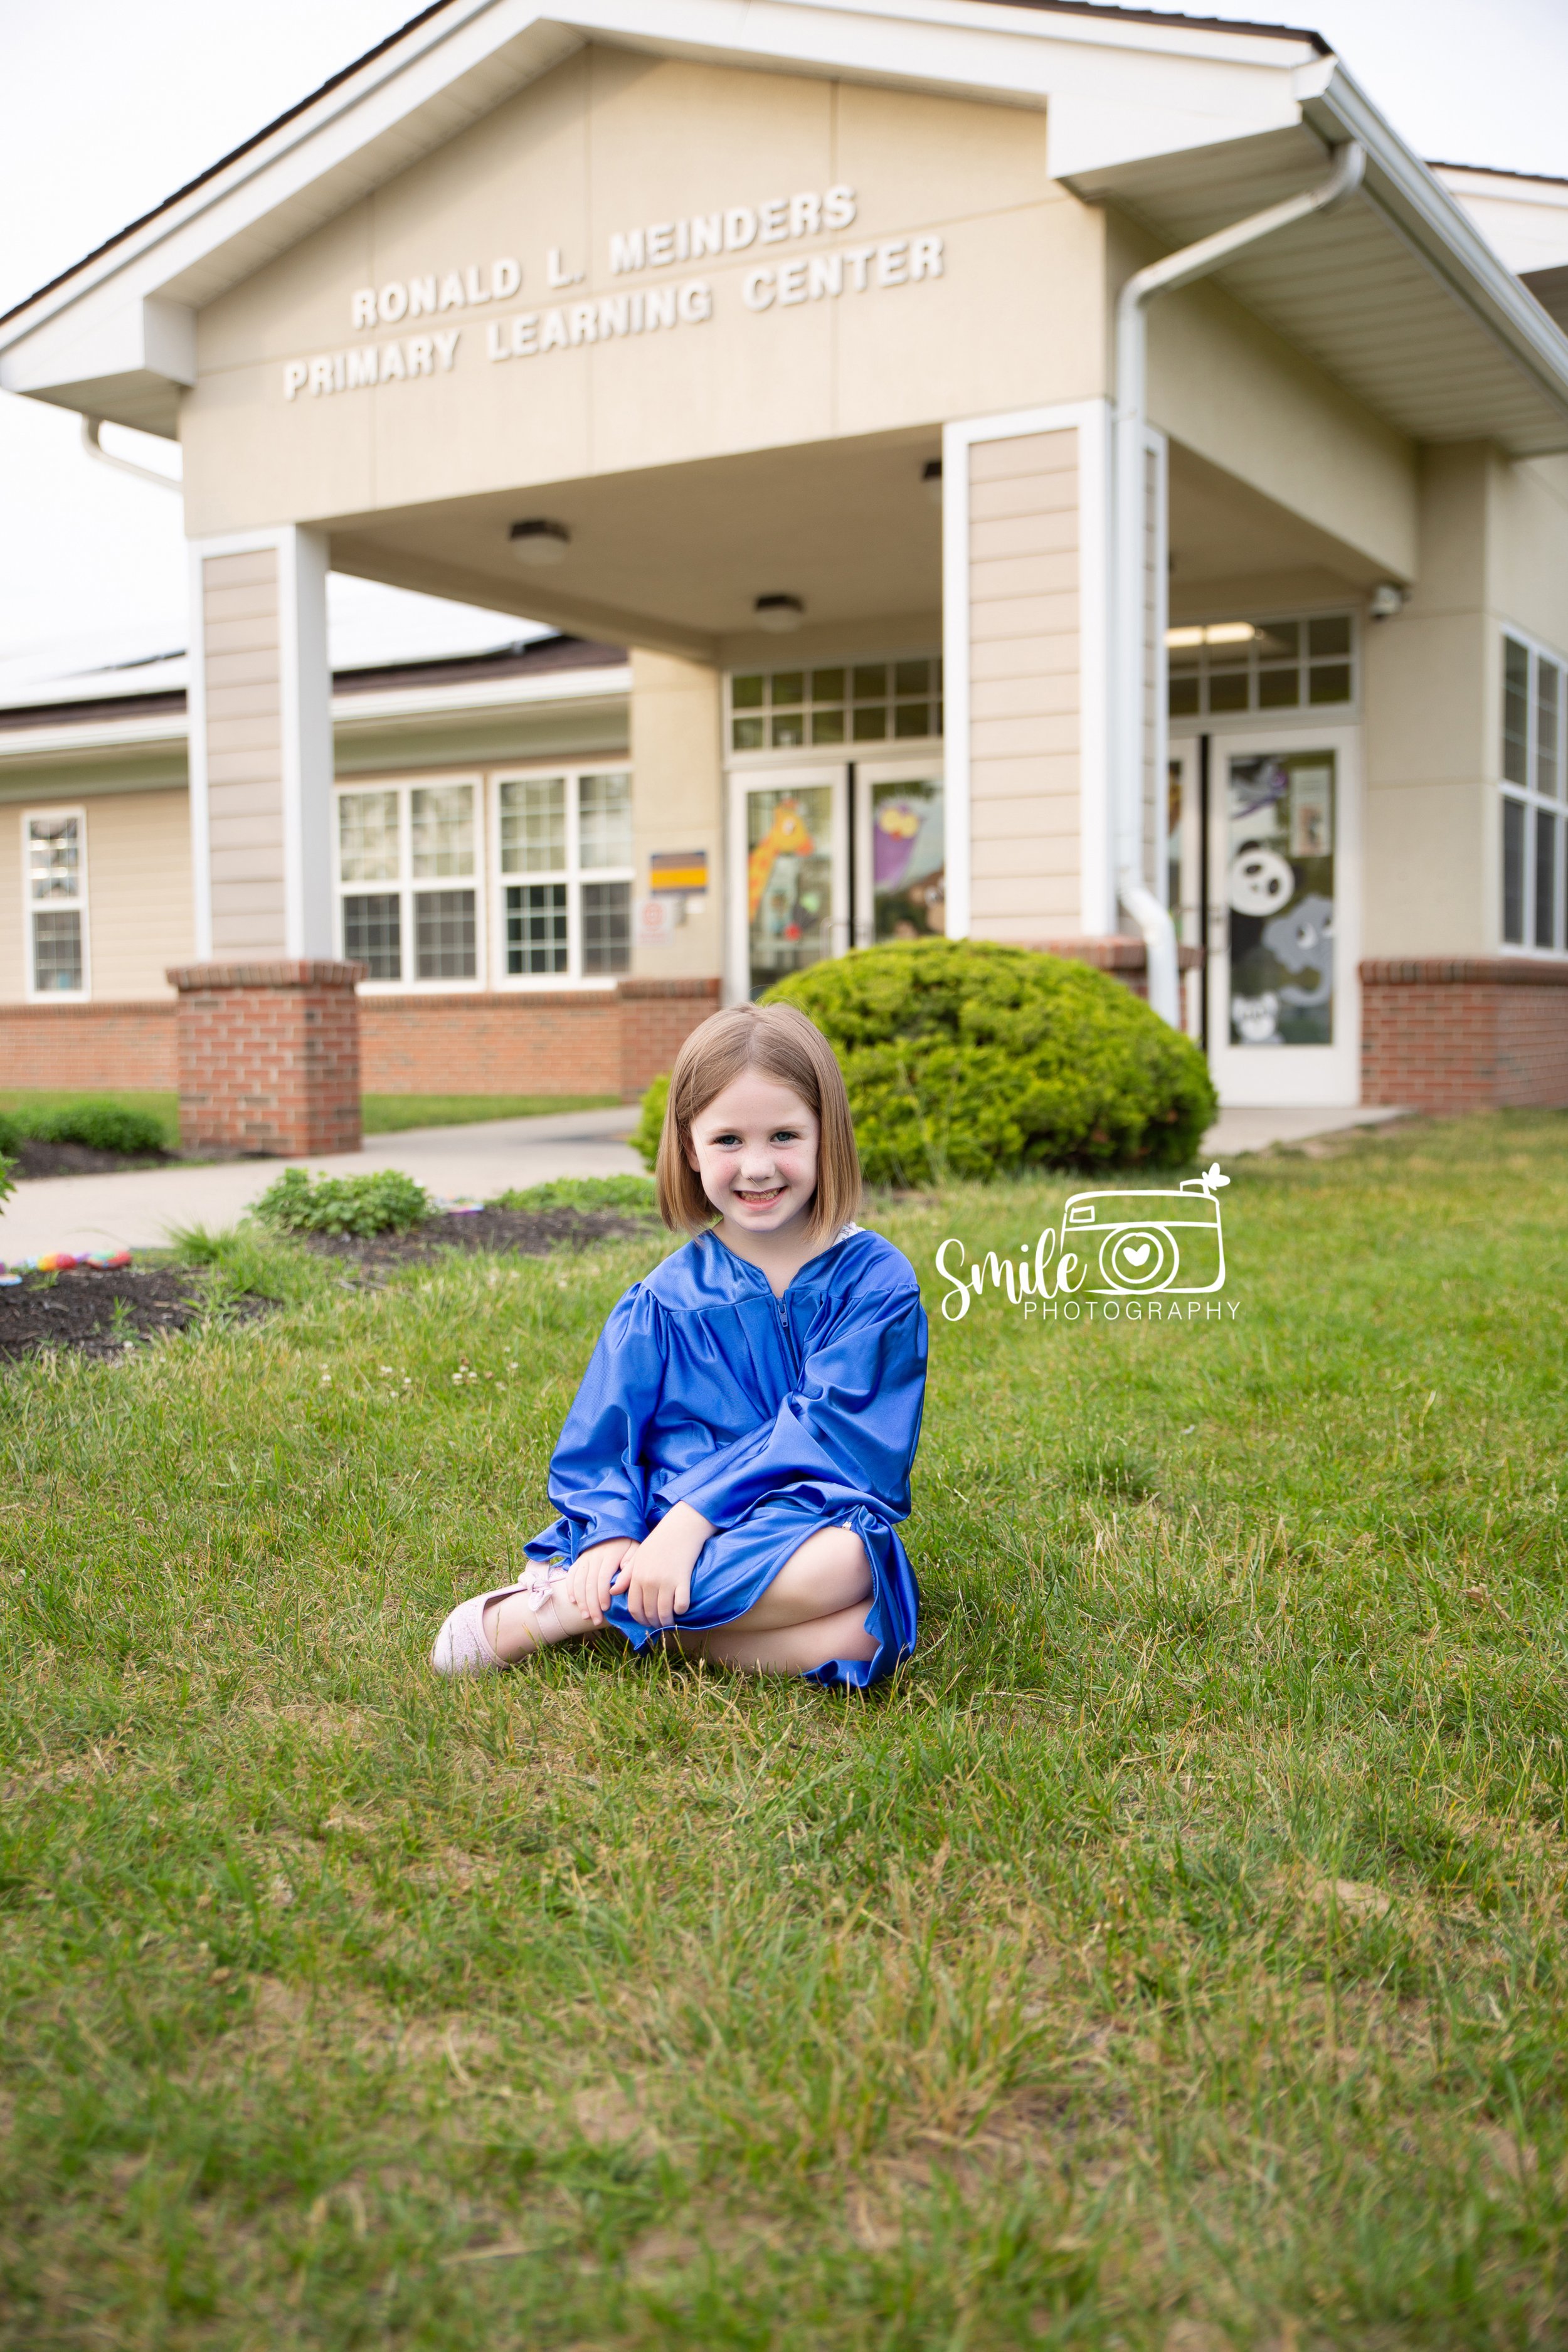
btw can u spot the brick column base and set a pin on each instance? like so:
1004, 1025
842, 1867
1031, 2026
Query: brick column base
1123, 957
1482, 1033
657, 1017
268, 1057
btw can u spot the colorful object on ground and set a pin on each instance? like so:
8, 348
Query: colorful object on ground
61, 1261
459, 1208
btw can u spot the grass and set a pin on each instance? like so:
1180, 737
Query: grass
390, 1114
632, 1195
1174, 1959
381, 1114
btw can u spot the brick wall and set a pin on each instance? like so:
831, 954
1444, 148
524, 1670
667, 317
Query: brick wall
657, 1016
552, 1041
269, 1056
1475, 1033
1125, 958
95, 1047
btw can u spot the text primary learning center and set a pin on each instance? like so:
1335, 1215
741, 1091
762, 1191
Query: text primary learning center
1035, 473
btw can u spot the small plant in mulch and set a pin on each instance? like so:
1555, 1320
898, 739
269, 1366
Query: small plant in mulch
386, 1203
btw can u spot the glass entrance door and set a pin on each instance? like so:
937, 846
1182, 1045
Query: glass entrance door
790, 829
901, 853
1284, 906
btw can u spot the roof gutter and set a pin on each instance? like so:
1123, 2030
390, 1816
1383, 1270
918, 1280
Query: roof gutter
91, 426
1436, 225
1130, 523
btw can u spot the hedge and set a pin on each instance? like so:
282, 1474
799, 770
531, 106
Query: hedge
964, 1059
98, 1126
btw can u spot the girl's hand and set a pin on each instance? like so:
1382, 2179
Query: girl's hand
656, 1575
591, 1579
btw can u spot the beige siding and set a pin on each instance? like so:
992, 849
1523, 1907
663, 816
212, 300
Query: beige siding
1024, 692
677, 724
244, 750
138, 891
13, 909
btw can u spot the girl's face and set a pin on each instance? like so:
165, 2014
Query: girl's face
755, 1147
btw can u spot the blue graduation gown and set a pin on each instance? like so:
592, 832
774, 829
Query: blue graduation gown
771, 1416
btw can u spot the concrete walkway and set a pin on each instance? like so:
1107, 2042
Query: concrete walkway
139, 1209
1237, 1131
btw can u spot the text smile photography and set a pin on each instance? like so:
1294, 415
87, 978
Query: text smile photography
1138, 1257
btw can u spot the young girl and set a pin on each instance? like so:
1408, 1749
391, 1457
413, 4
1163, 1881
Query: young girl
738, 1456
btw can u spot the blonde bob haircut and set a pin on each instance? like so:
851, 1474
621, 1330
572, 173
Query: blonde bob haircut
779, 1043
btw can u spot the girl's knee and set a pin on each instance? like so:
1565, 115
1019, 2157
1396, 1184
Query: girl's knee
831, 1564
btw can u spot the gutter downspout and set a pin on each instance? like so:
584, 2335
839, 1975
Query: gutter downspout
91, 426
1130, 521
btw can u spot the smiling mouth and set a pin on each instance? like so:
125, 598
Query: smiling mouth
761, 1199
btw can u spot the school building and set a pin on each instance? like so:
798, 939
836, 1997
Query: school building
1013, 468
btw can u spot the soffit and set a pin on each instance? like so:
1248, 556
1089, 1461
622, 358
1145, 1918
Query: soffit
1354, 291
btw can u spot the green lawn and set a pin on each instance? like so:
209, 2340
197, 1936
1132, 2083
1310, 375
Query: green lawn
390, 1114
1174, 1958
381, 1114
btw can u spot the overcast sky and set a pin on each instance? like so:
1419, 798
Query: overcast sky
112, 106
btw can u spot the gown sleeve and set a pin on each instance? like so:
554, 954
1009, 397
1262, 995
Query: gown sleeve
598, 1481
850, 1426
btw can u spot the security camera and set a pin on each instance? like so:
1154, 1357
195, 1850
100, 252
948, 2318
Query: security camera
1386, 599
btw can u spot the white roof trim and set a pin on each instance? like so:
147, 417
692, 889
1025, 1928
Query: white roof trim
483, 694
368, 127
376, 705
1119, 90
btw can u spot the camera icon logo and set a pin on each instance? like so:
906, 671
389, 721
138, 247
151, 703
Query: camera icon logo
1136, 1245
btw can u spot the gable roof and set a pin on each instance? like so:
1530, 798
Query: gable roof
1245, 27
1242, 115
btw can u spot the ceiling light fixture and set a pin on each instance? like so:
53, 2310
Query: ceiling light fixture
538, 544
779, 614
1217, 633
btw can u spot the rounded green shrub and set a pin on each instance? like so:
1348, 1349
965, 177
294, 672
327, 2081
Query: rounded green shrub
650, 1124
384, 1202
963, 1059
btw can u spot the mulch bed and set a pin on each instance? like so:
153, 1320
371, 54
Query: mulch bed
534, 1233
75, 1309
34, 1158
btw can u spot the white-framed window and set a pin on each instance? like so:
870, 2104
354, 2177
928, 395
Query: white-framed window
1231, 668
1534, 709
409, 881
563, 876
861, 702
54, 887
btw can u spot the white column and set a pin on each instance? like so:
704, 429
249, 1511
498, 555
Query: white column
261, 747
1025, 519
